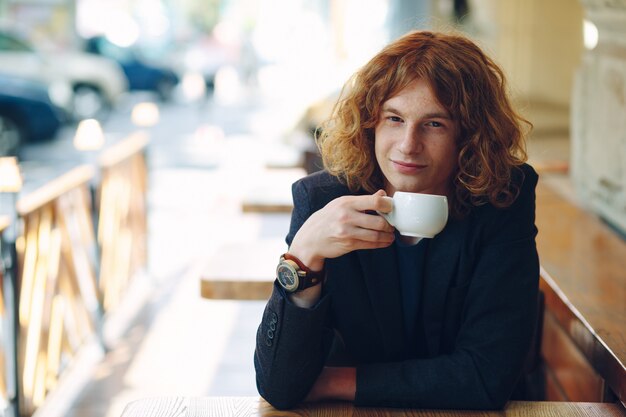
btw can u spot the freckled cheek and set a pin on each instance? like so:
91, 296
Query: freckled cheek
381, 145
384, 140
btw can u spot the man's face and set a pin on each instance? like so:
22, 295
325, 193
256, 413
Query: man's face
415, 142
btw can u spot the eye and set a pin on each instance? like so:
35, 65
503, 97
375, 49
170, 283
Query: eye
394, 119
434, 124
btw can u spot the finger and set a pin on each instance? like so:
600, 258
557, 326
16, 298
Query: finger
373, 221
384, 205
364, 244
369, 235
374, 202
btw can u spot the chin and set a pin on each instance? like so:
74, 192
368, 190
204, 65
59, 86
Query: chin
409, 187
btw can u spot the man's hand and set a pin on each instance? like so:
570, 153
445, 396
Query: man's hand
342, 226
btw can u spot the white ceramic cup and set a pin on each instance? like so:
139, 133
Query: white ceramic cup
417, 215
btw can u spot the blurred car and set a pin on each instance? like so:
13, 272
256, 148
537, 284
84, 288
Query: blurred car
27, 113
97, 83
142, 74
203, 55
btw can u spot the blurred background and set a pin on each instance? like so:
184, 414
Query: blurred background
204, 99
96, 58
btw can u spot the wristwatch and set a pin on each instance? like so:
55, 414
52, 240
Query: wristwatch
294, 276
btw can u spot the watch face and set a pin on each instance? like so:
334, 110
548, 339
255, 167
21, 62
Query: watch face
287, 276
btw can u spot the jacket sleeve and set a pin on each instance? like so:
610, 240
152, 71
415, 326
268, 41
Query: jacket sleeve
292, 342
497, 325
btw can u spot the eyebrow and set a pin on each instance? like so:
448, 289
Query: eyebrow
437, 115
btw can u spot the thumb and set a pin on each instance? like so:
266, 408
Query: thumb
380, 193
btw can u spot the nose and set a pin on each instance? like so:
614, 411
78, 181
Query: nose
411, 141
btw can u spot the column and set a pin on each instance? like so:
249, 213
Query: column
598, 118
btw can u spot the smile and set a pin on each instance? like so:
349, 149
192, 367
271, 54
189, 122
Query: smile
407, 167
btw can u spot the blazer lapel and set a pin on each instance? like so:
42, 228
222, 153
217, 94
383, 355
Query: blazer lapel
380, 270
441, 264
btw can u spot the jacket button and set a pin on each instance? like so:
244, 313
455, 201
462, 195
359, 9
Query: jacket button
270, 334
273, 325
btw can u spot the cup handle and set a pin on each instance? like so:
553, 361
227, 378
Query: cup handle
388, 216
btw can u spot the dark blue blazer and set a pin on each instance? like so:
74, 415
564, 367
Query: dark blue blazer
479, 312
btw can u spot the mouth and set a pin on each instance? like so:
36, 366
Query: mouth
408, 167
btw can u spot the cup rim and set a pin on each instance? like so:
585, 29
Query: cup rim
425, 194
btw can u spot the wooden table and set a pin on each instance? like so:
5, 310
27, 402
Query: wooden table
269, 191
242, 270
245, 269
255, 406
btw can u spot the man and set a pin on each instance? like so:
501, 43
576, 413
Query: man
371, 316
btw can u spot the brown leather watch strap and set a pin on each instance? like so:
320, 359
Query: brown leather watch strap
311, 277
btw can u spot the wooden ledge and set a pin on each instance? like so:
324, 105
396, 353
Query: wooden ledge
551, 167
583, 263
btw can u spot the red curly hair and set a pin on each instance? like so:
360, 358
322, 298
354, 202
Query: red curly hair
469, 84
